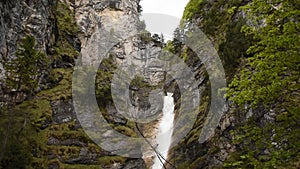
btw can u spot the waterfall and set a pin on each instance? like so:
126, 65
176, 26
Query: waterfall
164, 136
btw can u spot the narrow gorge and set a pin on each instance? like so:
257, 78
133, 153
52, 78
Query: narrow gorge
85, 84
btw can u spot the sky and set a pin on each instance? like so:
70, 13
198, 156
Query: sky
170, 7
167, 23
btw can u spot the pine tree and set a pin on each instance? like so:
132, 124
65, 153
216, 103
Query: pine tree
22, 77
23, 71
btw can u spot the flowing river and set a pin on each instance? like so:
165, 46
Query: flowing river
164, 136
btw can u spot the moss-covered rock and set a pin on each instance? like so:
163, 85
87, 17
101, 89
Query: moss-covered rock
67, 46
261, 137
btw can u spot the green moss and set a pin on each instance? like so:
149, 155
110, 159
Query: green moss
126, 131
131, 124
63, 90
282, 117
67, 29
39, 163
39, 111
184, 165
108, 160
66, 19
184, 55
36, 107
66, 131
64, 48
235, 156
193, 135
29, 117
94, 147
34, 113
103, 81
199, 161
139, 82
67, 152
193, 8
67, 134
76, 166
214, 150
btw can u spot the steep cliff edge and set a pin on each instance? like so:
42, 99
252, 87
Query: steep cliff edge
39, 128
251, 132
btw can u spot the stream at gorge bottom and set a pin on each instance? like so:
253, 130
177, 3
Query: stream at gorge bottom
165, 130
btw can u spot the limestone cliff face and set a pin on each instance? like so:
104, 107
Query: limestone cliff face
65, 31
21, 18
244, 137
112, 29
224, 32
116, 23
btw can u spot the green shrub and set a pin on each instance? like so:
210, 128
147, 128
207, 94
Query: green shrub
16, 156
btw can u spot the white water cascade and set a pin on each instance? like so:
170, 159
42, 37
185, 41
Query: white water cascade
164, 136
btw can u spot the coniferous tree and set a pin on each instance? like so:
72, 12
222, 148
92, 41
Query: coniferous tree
22, 78
23, 71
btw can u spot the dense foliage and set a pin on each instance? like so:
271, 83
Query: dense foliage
273, 71
16, 156
269, 82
